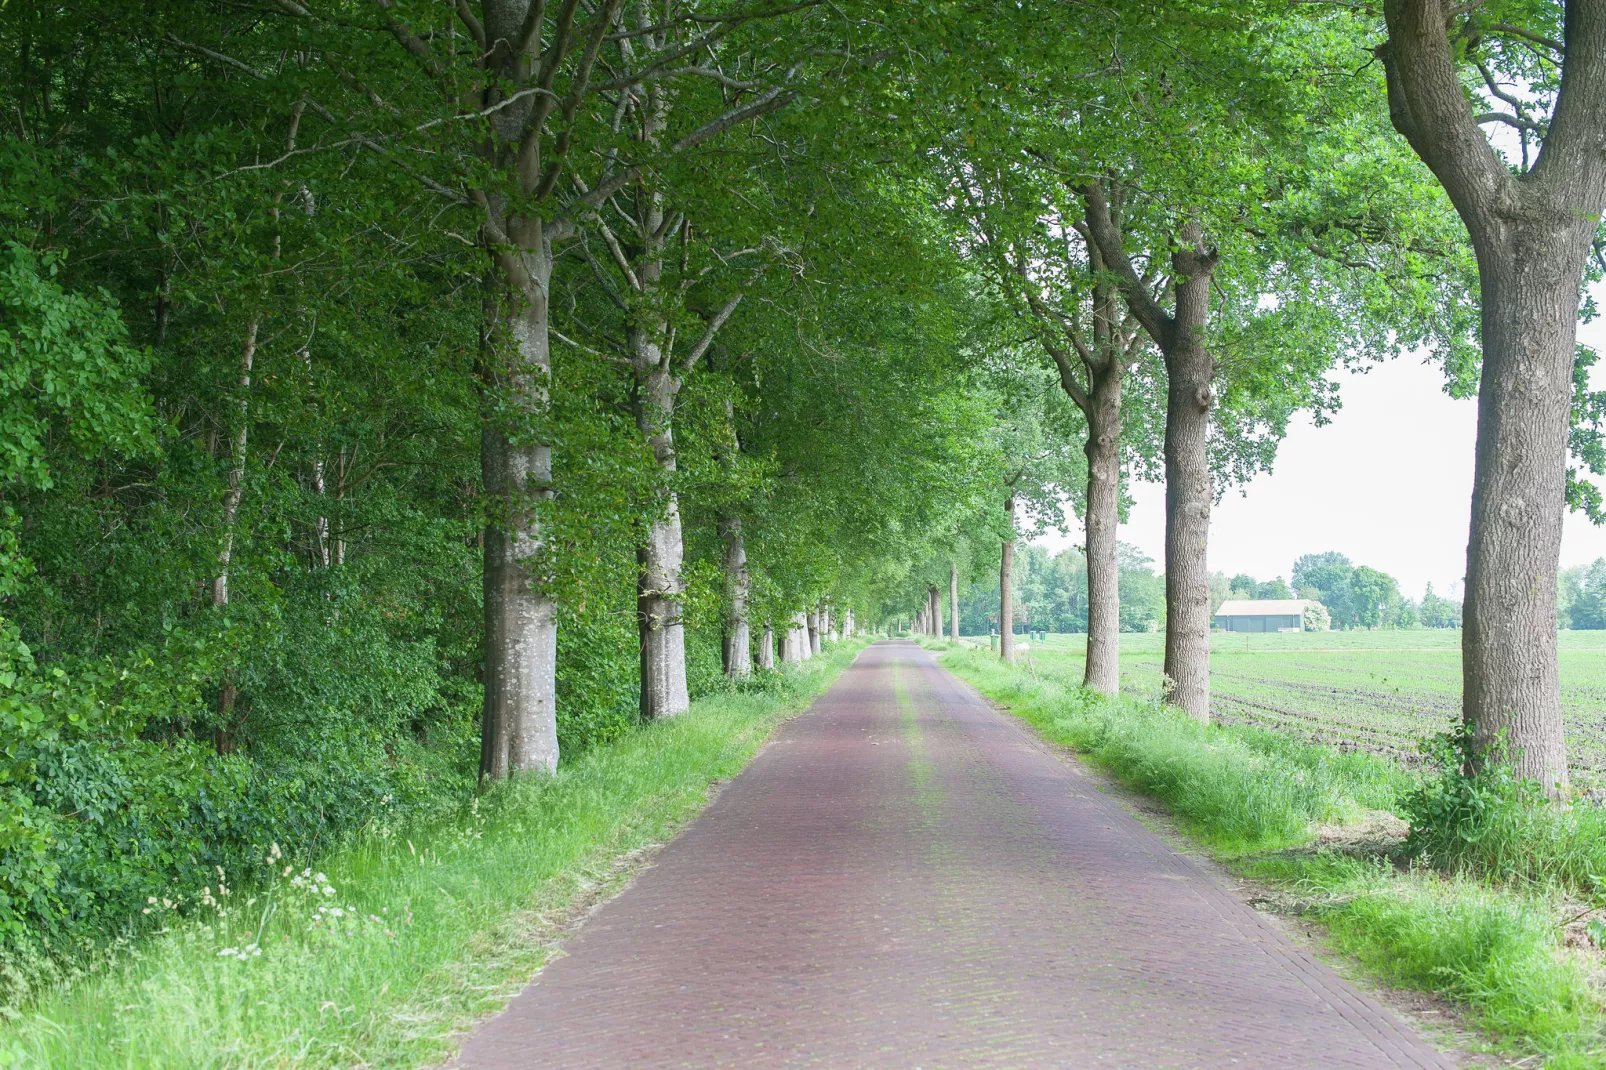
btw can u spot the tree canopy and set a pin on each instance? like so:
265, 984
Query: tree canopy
387, 382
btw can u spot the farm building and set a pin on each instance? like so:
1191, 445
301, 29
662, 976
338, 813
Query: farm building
1262, 615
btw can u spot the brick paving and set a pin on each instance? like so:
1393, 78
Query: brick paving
906, 878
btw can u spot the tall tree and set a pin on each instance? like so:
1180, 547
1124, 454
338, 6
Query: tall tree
1540, 70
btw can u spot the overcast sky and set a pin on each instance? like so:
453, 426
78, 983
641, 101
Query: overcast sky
1388, 483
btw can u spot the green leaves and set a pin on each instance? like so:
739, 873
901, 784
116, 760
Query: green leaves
66, 368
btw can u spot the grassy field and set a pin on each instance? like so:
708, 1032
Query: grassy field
1381, 691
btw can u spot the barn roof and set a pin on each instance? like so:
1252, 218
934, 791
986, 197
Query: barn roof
1262, 607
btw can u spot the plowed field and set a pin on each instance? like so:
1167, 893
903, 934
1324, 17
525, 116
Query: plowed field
1381, 691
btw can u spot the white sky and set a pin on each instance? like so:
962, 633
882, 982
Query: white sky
1388, 483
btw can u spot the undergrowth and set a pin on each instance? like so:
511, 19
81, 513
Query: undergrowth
1469, 907
376, 955
1479, 818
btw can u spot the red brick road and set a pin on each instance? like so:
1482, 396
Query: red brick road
905, 878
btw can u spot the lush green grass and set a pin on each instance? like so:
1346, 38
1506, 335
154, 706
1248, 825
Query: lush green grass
1382, 690
1238, 789
1494, 951
1487, 934
376, 957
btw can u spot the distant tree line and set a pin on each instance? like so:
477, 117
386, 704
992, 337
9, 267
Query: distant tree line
1581, 596
1050, 592
1356, 596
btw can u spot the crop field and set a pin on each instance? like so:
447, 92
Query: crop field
1382, 691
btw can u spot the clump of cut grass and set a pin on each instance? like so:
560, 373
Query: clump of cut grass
1238, 790
384, 950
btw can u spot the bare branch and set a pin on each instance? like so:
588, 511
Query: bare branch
218, 57
1527, 35
708, 335
1483, 118
582, 346
476, 30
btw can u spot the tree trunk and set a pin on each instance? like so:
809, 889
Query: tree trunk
519, 729
237, 448
663, 635
766, 647
1529, 282
738, 639
814, 632
953, 599
1102, 672
223, 739
795, 647
1189, 372
848, 628
1188, 490
1532, 233
1006, 594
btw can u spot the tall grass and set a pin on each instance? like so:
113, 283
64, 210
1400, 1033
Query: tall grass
1494, 951
1486, 933
1237, 789
379, 954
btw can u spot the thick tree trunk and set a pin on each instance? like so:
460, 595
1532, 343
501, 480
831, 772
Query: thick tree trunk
766, 647
935, 600
1102, 672
849, 628
1529, 285
814, 632
1532, 233
738, 638
1006, 593
953, 599
1188, 490
519, 729
796, 645
1189, 372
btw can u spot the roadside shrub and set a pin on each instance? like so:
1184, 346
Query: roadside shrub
106, 801
1481, 818
599, 672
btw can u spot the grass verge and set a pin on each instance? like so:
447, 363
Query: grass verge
1257, 799
378, 957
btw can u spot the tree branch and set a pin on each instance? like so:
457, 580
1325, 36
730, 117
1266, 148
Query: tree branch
1430, 108
708, 335
218, 57
476, 30
1527, 35
1107, 235
1572, 158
